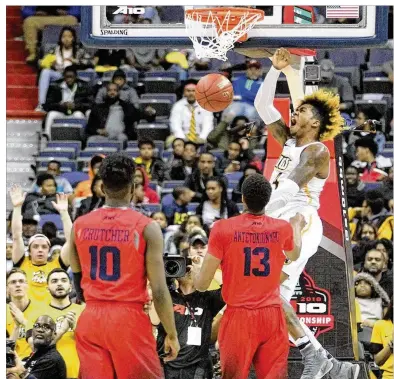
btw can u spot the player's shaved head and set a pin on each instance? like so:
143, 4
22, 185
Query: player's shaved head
117, 172
256, 193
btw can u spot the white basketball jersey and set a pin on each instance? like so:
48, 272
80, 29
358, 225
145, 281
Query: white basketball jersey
288, 160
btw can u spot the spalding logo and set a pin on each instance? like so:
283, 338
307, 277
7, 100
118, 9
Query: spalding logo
226, 94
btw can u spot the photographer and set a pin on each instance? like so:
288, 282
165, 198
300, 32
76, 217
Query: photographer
194, 312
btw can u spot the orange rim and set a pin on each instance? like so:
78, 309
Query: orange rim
220, 13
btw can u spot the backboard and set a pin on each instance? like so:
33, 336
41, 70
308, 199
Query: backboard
287, 26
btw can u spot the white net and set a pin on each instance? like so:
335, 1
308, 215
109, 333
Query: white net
213, 36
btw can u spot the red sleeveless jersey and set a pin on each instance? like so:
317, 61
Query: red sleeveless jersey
251, 250
111, 249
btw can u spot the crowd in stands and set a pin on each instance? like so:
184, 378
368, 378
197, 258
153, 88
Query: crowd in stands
185, 181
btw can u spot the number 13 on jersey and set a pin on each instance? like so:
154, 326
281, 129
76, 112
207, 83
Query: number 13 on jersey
263, 269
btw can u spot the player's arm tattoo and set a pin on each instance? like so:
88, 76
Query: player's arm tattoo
312, 160
279, 131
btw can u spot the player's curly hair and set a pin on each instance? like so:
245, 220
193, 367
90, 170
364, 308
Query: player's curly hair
326, 105
117, 172
256, 191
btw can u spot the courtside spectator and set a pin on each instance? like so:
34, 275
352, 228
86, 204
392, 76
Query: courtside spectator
184, 167
336, 84
175, 206
215, 204
112, 120
19, 310
154, 166
36, 264
245, 91
67, 53
45, 362
150, 195
126, 93
188, 120
233, 159
375, 265
36, 18
198, 179
371, 298
354, 188
62, 184
83, 189
69, 97
248, 170
370, 165
95, 201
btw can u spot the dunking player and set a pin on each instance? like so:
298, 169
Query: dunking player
297, 180
251, 249
113, 250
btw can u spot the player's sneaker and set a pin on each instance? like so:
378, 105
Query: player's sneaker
315, 362
340, 370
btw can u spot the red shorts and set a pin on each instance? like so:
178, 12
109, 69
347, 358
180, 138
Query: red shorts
115, 340
254, 336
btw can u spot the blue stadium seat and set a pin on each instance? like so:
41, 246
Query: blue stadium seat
162, 107
76, 145
374, 74
156, 131
72, 121
162, 74
171, 184
66, 132
167, 155
74, 177
132, 152
234, 176
160, 85
153, 208
153, 185
83, 164
387, 153
377, 85
43, 162
240, 207
218, 153
60, 152
118, 145
229, 192
53, 217
63, 170
197, 75
132, 77
372, 186
192, 207
91, 151
378, 56
87, 76
259, 153
159, 96
389, 145
347, 57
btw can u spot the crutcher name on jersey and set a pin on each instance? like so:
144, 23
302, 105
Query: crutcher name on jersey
105, 235
248, 237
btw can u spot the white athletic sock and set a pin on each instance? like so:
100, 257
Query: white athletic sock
311, 337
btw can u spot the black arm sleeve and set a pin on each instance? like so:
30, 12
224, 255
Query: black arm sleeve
77, 285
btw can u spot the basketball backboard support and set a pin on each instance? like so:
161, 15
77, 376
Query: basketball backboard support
287, 26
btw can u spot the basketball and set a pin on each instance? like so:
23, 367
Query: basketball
214, 92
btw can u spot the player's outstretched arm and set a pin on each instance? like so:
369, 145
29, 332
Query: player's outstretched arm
18, 247
264, 101
161, 296
312, 160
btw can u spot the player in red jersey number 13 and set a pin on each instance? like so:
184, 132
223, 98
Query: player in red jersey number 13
251, 249
113, 251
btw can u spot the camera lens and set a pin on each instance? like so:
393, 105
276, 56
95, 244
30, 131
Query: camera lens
172, 267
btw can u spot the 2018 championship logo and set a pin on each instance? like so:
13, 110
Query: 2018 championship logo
313, 305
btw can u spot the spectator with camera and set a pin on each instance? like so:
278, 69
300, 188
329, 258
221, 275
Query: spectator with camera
194, 312
19, 310
45, 362
114, 119
182, 168
175, 205
66, 314
36, 264
68, 97
215, 204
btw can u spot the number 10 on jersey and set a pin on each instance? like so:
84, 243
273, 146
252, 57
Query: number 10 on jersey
262, 252
101, 261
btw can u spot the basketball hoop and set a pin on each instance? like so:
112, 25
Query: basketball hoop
214, 31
